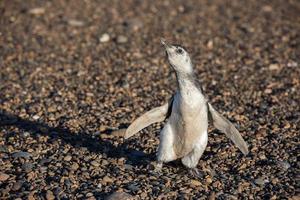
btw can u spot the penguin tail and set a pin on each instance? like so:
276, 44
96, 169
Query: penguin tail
225, 126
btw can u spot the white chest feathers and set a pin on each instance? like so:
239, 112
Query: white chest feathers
190, 96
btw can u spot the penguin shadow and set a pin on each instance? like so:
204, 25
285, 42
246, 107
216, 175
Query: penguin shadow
76, 139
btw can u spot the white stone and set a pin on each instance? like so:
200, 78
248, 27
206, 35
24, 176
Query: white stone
104, 38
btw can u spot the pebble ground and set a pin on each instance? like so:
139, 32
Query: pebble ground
73, 72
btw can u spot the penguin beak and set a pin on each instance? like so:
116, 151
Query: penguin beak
166, 45
163, 42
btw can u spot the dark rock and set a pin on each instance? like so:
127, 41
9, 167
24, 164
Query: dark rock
3, 149
45, 161
27, 167
17, 186
119, 196
134, 187
21, 154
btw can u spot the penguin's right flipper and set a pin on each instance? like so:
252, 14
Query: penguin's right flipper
155, 115
225, 126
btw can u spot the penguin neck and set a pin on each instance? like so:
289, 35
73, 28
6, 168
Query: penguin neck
186, 81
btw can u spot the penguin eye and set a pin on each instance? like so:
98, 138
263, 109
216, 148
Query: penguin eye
179, 51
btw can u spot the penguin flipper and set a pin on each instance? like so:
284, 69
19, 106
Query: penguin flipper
225, 126
155, 115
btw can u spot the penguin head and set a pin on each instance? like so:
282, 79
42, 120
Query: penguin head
178, 57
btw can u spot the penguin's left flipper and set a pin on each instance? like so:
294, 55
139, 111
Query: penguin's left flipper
155, 115
225, 126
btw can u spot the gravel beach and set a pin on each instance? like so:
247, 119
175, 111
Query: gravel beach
73, 74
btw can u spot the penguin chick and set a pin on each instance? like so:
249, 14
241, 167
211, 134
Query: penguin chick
184, 136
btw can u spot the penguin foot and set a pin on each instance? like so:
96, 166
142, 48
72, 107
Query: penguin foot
194, 172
